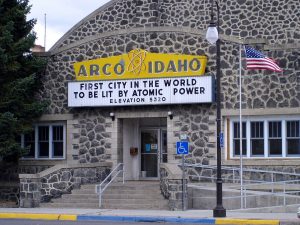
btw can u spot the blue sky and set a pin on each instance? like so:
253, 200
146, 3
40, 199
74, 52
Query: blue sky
61, 15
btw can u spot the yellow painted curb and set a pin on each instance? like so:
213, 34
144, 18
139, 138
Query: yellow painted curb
246, 221
68, 217
37, 216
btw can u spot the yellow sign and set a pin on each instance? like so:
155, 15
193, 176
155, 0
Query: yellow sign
139, 63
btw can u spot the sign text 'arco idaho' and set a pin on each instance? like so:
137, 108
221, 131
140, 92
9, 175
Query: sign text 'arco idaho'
141, 92
140, 64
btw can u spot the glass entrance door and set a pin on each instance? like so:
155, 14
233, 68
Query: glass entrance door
149, 142
153, 151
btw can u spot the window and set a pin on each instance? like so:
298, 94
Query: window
45, 142
257, 138
293, 137
29, 142
275, 142
236, 138
266, 137
58, 141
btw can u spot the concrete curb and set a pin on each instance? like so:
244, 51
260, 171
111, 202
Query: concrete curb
73, 217
38, 216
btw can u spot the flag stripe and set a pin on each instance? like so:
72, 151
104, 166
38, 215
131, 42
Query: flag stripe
261, 63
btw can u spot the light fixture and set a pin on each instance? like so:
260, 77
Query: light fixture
170, 114
112, 115
212, 34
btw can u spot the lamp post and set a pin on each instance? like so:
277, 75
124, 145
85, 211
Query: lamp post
212, 36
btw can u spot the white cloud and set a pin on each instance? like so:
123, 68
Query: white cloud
61, 16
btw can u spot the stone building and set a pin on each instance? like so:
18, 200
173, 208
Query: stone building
92, 125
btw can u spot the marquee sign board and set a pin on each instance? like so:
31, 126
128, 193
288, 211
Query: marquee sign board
140, 64
181, 90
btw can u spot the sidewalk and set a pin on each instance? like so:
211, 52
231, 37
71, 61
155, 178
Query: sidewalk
186, 217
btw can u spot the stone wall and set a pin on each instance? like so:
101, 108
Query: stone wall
52, 183
172, 187
10, 194
94, 140
258, 173
272, 19
9, 181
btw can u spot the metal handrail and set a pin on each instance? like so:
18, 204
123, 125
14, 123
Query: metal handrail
237, 169
284, 194
281, 192
100, 188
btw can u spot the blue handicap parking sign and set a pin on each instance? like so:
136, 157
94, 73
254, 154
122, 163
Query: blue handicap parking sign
221, 140
182, 147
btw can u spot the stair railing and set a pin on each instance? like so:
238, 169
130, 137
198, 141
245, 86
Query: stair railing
100, 188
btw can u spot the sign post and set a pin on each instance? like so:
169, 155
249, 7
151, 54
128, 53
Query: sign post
182, 148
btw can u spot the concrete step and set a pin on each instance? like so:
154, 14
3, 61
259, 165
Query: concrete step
105, 205
121, 187
107, 200
119, 190
132, 184
131, 195
83, 196
150, 196
136, 206
82, 205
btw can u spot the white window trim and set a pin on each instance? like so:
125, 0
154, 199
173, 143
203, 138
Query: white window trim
265, 119
36, 153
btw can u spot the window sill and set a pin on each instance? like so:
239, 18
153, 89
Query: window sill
42, 159
262, 162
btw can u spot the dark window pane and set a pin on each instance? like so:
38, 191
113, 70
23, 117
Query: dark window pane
275, 129
58, 133
236, 147
271, 130
43, 133
257, 141
236, 129
58, 149
275, 146
244, 130
293, 146
43, 145
165, 158
292, 128
44, 149
58, 141
257, 147
257, 129
261, 129
29, 142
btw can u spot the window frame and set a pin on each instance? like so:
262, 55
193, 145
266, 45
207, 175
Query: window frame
50, 142
266, 119
276, 138
291, 138
238, 134
256, 138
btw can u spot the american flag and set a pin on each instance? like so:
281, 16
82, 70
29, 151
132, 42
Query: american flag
257, 60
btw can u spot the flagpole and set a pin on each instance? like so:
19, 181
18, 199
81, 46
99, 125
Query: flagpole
241, 131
